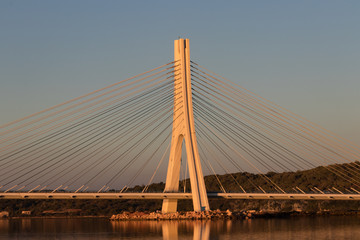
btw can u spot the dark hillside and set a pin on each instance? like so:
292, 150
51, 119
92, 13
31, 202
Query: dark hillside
319, 177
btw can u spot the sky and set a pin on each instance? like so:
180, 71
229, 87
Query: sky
302, 55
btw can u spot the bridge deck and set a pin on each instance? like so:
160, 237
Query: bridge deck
275, 196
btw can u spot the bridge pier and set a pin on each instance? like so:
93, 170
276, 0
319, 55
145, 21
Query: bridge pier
184, 130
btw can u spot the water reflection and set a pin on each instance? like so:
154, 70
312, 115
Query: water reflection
332, 227
341, 227
170, 230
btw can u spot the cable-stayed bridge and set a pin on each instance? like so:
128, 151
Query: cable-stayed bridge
178, 120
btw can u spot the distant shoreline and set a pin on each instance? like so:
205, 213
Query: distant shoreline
190, 215
221, 215
54, 217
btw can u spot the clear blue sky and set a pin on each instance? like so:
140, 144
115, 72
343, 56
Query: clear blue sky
303, 55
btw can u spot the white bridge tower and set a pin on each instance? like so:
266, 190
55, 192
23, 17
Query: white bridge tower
184, 130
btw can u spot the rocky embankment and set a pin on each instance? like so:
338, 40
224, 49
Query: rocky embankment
216, 214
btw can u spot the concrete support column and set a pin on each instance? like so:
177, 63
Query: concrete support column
184, 129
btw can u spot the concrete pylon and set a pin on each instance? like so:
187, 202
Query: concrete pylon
184, 129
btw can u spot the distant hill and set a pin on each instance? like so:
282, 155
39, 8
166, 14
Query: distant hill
323, 178
319, 177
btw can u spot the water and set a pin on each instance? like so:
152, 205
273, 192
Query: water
334, 227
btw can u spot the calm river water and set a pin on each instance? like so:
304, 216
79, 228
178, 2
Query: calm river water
339, 227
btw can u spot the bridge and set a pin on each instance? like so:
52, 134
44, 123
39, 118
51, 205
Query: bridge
99, 145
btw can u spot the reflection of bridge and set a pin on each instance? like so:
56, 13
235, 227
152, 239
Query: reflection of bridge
170, 229
119, 134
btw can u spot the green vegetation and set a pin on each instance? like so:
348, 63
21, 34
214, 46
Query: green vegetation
319, 177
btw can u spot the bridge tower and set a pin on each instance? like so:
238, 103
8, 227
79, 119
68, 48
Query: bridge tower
184, 130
